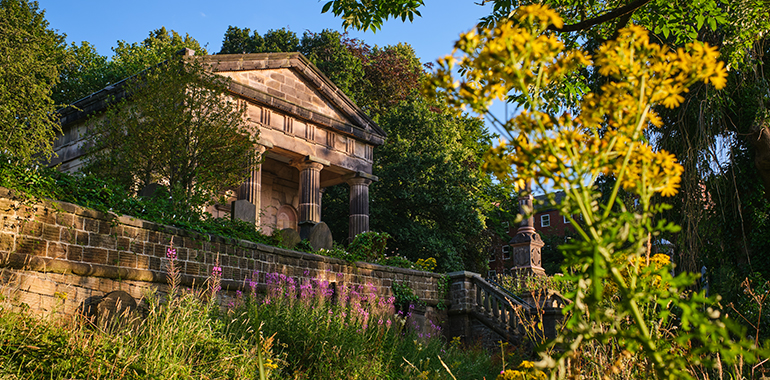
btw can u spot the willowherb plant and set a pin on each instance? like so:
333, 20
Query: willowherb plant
215, 281
173, 271
618, 299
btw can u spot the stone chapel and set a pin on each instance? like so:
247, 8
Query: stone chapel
311, 135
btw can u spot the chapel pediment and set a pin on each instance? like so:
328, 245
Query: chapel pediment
291, 83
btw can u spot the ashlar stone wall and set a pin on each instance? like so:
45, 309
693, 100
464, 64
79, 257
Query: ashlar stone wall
55, 255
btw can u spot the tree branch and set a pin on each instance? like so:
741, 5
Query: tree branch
615, 13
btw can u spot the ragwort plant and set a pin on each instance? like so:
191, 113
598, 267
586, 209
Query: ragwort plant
638, 319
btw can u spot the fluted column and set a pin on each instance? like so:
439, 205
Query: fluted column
359, 205
251, 189
309, 190
526, 245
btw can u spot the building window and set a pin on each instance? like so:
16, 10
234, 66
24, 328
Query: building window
491, 274
492, 257
506, 252
545, 220
505, 224
566, 221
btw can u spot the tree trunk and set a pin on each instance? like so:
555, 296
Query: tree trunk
761, 141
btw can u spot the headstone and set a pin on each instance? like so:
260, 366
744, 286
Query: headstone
243, 210
149, 190
289, 237
110, 310
116, 303
320, 237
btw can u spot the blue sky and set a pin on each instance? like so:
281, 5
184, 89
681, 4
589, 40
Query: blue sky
103, 22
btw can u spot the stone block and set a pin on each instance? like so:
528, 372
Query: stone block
74, 253
320, 237
57, 250
31, 228
91, 225
192, 269
243, 210
51, 232
95, 255
7, 242
125, 259
142, 262
102, 241
65, 219
30, 246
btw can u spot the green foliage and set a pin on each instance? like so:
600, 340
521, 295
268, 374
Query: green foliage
398, 261
175, 127
432, 195
31, 55
619, 299
106, 196
369, 246
86, 71
405, 300
329, 51
239, 41
364, 15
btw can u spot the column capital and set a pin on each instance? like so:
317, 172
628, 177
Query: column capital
360, 178
310, 162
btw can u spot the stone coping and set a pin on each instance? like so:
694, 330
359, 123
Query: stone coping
46, 264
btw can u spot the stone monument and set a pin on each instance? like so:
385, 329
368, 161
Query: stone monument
526, 245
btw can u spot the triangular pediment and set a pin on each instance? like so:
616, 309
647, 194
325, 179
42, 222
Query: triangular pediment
290, 83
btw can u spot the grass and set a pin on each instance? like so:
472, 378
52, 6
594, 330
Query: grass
292, 331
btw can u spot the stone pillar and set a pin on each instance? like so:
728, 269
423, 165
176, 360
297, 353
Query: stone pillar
359, 204
309, 192
251, 189
526, 245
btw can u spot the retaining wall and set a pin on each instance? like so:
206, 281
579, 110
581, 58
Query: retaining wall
55, 255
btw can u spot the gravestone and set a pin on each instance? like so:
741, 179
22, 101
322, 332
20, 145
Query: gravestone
116, 303
320, 237
243, 210
116, 306
289, 237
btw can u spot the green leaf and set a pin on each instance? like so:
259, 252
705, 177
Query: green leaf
327, 6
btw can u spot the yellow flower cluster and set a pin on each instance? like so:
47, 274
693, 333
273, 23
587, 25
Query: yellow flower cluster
518, 55
525, 371
427, 265
508, 56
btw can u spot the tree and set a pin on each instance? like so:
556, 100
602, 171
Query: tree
87, 72
432, 196
31, 55
175, 127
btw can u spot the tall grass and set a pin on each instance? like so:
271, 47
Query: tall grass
175, 340
293, 331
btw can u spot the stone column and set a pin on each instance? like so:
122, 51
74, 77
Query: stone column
251, 189
526, 245
359, 205
309, 192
